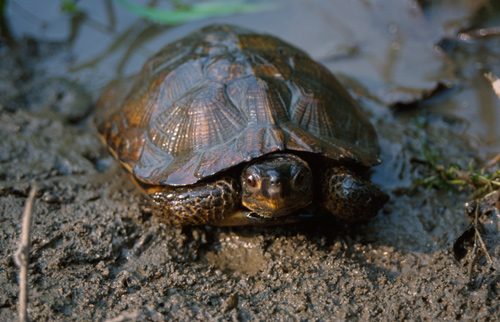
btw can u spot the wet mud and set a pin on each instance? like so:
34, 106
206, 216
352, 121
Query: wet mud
96, 257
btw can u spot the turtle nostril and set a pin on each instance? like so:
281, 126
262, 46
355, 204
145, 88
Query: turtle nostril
274, 182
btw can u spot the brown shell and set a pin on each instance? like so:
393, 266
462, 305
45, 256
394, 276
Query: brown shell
224, 95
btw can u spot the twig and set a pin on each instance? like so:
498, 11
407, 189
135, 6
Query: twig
477, 236
494, 81
493, 161
480, 33
22, 256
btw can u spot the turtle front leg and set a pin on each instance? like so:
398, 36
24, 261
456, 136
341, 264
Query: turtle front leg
349, 197
201, 204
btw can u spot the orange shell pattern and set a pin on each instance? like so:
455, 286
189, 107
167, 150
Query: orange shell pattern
225, 95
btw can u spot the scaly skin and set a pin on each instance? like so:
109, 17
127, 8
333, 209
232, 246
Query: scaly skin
349, 197
199, 204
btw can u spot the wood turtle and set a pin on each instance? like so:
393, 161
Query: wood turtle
232, 127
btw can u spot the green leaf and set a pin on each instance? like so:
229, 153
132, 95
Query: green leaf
70, 6
193, 12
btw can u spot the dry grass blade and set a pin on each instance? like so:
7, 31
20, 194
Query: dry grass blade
22, 256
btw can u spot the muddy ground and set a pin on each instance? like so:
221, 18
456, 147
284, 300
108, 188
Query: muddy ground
96, 257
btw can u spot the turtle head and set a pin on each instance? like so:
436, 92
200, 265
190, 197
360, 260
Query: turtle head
277, 185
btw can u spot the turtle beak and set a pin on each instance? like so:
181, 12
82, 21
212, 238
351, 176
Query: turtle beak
276, 190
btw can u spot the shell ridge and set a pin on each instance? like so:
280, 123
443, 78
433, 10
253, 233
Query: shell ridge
276, 138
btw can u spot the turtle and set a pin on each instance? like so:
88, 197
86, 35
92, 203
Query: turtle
228, 126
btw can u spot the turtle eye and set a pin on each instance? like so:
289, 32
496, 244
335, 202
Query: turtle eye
251, 181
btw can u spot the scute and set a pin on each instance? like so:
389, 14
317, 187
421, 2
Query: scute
225, 95
200, 120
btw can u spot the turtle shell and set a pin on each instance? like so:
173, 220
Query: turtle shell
225, 95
